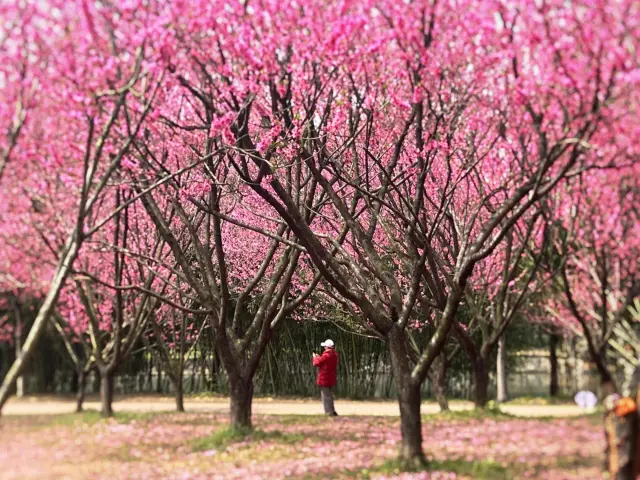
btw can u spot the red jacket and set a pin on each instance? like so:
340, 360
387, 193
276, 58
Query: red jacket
328, 365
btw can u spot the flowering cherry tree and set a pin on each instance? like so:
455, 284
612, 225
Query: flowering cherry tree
170, 339
501, 287
173, 332
78, 345
115, 293
81, 130
391, 149
599, 281
239, 264
19, 73
430, 134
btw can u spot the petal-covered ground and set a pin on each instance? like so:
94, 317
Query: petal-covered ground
198, 446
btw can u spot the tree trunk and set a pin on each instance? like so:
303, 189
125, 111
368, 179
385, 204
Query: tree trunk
18, 342
480, 383
478, 359
410, 425
96, 380
553, 360
74, 382
159, 382
149, 384
215, 371
411, 453
3, 360
438, 378
194, 372
41, 320
203, 371
179, 398
106, 393
501, 373
178, 387
80, 391
241, 394
180, 373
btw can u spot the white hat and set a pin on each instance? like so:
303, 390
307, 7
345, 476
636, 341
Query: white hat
328, 343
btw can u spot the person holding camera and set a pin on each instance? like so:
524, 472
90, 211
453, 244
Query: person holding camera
327, 365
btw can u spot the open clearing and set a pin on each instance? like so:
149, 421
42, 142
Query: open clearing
264, 406
199, 446
42, 440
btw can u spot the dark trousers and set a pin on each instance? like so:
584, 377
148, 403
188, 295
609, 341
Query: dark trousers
327, 400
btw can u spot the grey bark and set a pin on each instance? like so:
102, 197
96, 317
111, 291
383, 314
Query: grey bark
106, 393
553, 360
501, 374
438, 379
241, 396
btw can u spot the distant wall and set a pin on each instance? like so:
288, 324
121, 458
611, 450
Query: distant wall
528, 376
532, 375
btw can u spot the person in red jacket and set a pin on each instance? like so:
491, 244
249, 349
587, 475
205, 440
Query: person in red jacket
327, 364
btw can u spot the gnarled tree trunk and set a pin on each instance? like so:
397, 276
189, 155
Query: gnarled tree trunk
411, 452
478, 358
178, 387
106, 393
179, 398
241, 394
410, 424
480, 383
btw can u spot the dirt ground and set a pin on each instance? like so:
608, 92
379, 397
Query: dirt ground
199, 446
51, 405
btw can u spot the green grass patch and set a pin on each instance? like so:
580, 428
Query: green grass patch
476, 469
92, 417
44, 421
222, 438
89, 417
299, 419
128, 417
481, 470
541, 400
492, 412
29, 422
71, 419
